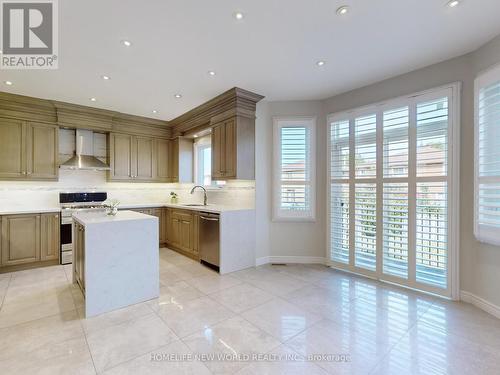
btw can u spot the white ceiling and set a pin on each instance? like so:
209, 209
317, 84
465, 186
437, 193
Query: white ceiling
273, 51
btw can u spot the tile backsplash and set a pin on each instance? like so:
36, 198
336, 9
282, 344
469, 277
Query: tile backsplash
39, 194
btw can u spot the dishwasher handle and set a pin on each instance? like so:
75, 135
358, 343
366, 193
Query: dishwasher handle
209, 218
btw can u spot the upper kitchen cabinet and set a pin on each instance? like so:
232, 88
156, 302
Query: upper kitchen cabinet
233, 149
137, 158
28, 150
231, 117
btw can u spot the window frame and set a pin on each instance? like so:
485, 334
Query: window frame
484, 234
278, 214
453, 176
201, 143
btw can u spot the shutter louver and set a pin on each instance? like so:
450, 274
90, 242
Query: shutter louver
294, 169
366, 226
339, 219
365, 129
488, 164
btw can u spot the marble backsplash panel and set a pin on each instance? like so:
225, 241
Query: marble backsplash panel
39, 194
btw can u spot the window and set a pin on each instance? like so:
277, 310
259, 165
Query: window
203, 163
294, 171
392, 193
487, 157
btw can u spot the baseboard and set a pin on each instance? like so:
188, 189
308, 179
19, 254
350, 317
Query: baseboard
290, 260
480, 303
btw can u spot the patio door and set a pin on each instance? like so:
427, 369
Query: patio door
393, 210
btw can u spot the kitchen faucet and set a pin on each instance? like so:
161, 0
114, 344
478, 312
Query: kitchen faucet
204, 193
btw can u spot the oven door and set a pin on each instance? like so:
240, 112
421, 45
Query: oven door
66, 240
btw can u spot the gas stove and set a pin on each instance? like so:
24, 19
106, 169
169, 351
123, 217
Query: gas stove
71, 203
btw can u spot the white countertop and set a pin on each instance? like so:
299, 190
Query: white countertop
214, 208
93, 217
27, 210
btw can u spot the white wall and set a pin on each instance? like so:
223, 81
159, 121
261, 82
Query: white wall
301, 239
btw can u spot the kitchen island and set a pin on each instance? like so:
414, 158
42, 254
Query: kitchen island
116, 260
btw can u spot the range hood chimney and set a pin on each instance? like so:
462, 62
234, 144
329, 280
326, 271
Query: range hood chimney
84, 158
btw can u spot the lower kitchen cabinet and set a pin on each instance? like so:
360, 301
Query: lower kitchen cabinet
182, 232
79, 254
50, 236
20, 239
29, 240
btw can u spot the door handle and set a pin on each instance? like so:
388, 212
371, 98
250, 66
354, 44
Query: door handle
209, 218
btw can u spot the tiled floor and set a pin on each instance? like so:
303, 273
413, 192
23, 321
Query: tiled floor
292, 319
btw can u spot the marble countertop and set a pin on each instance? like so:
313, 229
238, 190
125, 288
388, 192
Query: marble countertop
27, 210
214, 208
93, 217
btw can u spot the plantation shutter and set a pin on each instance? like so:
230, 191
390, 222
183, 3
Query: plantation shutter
294, 169
487, 150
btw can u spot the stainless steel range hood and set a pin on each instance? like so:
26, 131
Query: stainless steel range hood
84, 158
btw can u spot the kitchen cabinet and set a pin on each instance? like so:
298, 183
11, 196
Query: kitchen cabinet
181, 160
49, 236
120, 157
20, 239
163, 158
79, 254
141, 159
28, 150
233, 149
181, 232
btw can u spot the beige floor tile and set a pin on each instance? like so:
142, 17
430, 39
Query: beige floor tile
27, 310
464, 320
241, 297
175, 358
122, 342
338, 349
282, 361
234, 338
213, 283
27, 337
106, 320
178, 289
65, 357
277, 283
427, 350
320, 300
191, 316
281, 319
308, 273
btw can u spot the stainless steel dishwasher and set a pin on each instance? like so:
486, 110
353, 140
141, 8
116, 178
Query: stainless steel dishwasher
209, 240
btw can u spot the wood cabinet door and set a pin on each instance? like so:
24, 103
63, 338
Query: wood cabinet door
120, 152
20, 239
162, 160
49, 236
144, 158
196, 231
174, 160
175, 230
218, 151
186, 231
230, 149
42, 148
12, 149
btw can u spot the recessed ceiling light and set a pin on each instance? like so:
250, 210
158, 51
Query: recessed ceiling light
93, 99
453, 3
195, 136
238, 15
343, 10
211, 73
105, 77
320, 63
177, 96
8, 83
154, 111
126, 43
